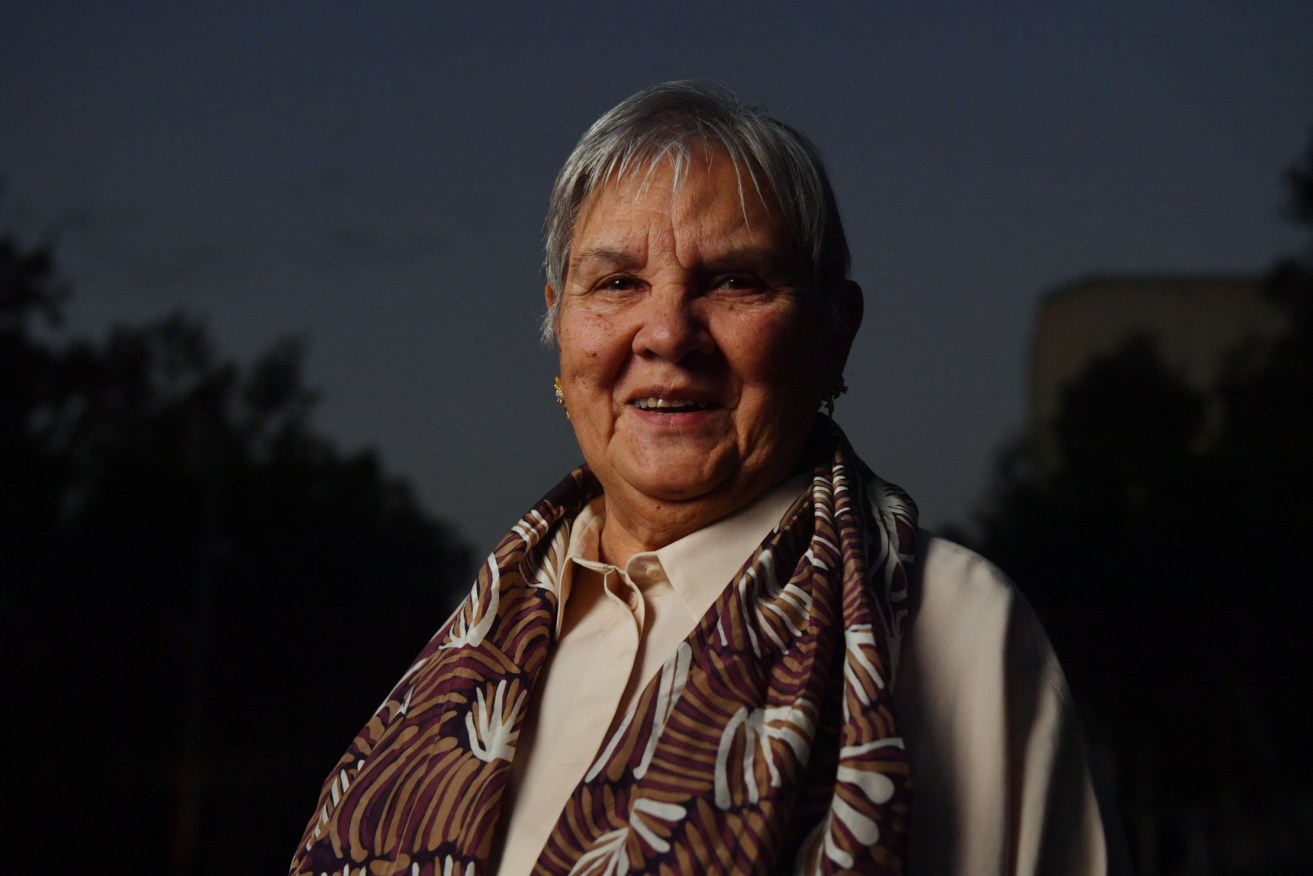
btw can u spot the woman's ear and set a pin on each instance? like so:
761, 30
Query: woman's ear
548, 332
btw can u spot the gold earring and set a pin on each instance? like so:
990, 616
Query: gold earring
560, 397
829, 397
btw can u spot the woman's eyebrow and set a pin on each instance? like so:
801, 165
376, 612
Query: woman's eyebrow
757, 258
603, 256
769, 259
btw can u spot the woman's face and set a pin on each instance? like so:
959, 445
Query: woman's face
692, 358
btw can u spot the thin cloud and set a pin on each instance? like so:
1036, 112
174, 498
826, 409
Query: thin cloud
119, 239
347, 244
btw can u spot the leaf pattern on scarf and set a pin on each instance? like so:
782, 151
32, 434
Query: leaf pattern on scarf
861, 667
614, 851
493, 728
545, 571
475, 617
780, 610
668, 688
754, 746
607, 857
852, 819
450, 867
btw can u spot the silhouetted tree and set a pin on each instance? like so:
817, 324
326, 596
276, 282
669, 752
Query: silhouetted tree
1164, 555
201, 596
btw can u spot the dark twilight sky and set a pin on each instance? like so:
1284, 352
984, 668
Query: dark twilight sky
373, 178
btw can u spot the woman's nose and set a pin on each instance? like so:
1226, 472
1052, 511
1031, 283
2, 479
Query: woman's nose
672, 326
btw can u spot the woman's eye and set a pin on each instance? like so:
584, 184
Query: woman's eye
617, 284
737, 283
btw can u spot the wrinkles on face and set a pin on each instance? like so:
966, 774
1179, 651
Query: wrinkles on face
691, 361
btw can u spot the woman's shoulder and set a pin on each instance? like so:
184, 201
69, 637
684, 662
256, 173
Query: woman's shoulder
945, 564
973, 654
987, 717
959, 596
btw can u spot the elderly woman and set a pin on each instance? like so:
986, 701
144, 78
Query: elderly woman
722, 645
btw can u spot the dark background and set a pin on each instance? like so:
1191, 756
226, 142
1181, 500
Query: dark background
209, 579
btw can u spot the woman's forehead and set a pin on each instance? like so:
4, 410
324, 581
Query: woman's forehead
670, 169
707, 205
672, 179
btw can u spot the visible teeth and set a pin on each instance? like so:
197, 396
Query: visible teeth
651, 404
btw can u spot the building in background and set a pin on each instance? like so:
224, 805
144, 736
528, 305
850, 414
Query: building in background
1195, 322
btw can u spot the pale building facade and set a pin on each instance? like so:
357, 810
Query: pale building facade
1195, 321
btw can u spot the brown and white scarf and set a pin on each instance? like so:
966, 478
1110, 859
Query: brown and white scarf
766, 743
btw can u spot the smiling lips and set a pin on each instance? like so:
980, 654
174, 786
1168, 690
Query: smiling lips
666, 405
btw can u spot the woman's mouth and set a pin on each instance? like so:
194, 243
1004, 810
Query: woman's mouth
667, 405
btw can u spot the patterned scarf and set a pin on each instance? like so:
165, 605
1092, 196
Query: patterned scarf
765, 744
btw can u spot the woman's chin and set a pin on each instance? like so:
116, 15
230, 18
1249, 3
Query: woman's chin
663, 487
694, 483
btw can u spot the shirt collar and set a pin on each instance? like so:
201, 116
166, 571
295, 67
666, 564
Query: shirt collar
699, 565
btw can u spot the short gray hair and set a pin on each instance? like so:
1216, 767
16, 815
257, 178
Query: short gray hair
664, 122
